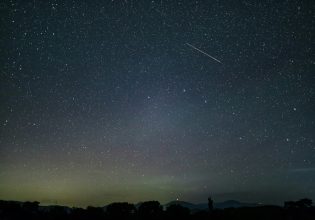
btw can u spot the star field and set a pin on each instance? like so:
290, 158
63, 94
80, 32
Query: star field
105, 101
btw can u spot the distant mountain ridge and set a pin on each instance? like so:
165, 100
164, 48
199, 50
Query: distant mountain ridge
191, 206
217, 205
300, 209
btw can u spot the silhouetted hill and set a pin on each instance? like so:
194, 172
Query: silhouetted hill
189, 205
49, 208
233, 204
218, 205
231, 209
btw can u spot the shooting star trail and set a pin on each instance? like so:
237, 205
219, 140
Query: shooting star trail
208, 55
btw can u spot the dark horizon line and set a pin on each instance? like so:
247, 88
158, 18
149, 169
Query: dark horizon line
43, 204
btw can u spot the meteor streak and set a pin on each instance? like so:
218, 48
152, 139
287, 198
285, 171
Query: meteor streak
208, 55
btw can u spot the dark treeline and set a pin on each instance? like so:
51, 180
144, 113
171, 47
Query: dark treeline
291, 210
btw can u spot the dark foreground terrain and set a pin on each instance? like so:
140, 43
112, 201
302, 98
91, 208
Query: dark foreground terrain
299, 210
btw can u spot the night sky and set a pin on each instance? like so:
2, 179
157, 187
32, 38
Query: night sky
106, 101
